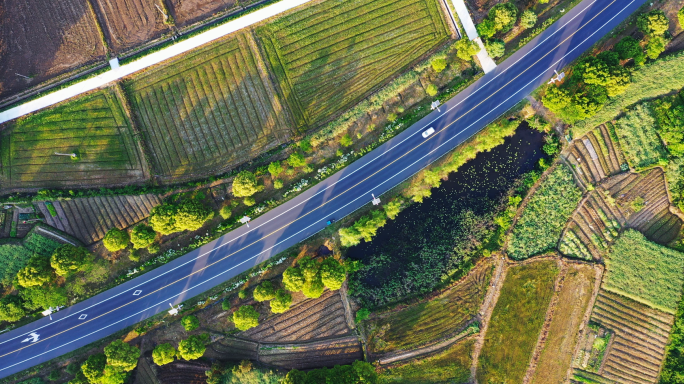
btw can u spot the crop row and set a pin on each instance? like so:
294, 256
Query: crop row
310, 319
88, 219
209, 110
328, 56
94, 128
326, 353
595, 156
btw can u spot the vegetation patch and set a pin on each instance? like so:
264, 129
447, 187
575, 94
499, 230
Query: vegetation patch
645, 271
545, 215
516, 322
431, 320
208, 109
37, 150
450, 366
573, 298
328, 56
14, 254
639, 139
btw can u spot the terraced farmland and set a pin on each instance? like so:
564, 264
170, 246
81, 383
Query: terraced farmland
595, 156
128, 23
208, 110
328, 56
432, 320
315, 354
307, 320
636, 350
88, 219
594, 225
186, 372
655, 219
94, 127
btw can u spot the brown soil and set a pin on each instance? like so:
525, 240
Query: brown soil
128, 23
637, 348
44, 39
184, 372
186, 12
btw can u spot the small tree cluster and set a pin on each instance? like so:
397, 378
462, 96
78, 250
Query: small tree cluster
528, 19
312, 277
192, 348
142, 236
264, 291
189, 215
113, 366
164, 354
466, 49
190, 322
654, 25
501, 18
363, 229
115, 240
246, 317
245, 184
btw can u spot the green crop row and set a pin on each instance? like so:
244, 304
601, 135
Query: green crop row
639, 139
545, 215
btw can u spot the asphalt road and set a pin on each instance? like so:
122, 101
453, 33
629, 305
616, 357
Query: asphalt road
337, 196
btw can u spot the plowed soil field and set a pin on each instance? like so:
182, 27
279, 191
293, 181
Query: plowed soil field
127, 23
189, 11
43, 39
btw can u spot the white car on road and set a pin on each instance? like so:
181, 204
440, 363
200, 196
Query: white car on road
428, 132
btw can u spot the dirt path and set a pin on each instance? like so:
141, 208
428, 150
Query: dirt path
487, 309
534, 359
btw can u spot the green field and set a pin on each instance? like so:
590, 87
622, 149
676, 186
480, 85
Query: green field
545, 215
329, 56
516, 322
434, 319
644, 271
14, 254
208, 110
94, 126
639, 139
451, 366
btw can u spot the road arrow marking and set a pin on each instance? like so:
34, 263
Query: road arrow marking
33, 337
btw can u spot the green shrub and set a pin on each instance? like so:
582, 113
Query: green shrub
122, 355
277, 184
293, 279
486, 29
346, 140
528, 19
281, 302
242, 294
68, 259
153, 248
653, 23
644, 271
363, 229
391, 117
275, 169
190, 322
296, 160
333, 273
36, 273
504, 16
305, 145
246, 317
191, 215
680, 17
93, 367
628, 48
226, 211
264, 292
115, 240
142, 236
163, 219
431, 90
245, 184
392, 209
225, 305
438, 64
544, 217
495, 48
191, 348
362, 314
656, 45
249, 201
164, 354
466, 49
11, 309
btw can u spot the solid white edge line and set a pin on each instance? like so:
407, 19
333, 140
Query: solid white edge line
439, 116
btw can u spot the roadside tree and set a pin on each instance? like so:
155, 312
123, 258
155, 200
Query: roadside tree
142, 236
68, 259
162, 219
264, 291
115, 240
122, 355
245, 184
653, 23
504, 16
191, 348
190, 322
293, 279
528, 19
281, 302
192, 215
333, 273
246, 317
466, 49
36, 273
11, 309
164, 354
93, 367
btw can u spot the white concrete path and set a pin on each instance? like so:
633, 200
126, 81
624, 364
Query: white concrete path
149, 60
487, 63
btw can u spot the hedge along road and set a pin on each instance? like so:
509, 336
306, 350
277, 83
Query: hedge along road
335, 197
149, 60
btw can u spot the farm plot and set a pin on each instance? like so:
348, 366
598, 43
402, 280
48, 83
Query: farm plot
639, 138
593, 226
93, 127
43, 39
128, 23
14, 254
181, 371
208, 110
315, 354
645, 271
307, 320
541, 223
186, 12
329, 56
89, 218
430, 321
636, 348
573, 299
595, 156
451, 366
643, 200
516, 322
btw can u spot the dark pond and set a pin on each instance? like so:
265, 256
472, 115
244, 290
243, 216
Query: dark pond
428, 242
